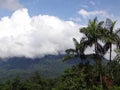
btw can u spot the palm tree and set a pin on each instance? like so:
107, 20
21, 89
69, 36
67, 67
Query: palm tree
117, 57
78, 51
117, 50
93, 34
118, 38
111, 36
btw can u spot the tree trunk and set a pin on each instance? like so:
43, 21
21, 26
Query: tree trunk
110, 58
110, 52
99, 64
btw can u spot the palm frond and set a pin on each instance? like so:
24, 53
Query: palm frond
112, 26
117, 51
117, 31
117, 58
75, 42
68, 57
106, 47
118, 45
70, 51
99, 49
95, 20
84, 30
100, 26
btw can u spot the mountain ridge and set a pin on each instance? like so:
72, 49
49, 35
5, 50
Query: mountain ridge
50, 66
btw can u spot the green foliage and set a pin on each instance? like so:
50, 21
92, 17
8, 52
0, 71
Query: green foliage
79, 77
116, 88
35, 82
24, 67
95, 32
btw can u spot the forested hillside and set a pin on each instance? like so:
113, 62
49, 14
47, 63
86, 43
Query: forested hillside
50, 66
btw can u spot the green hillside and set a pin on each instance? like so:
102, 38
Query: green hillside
49, 66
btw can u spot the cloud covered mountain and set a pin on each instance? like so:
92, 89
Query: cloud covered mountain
37, 36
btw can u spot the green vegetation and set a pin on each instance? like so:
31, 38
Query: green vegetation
50, 66
95, 33
86, 75
79, 77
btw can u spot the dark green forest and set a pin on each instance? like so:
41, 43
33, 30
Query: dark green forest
86, 75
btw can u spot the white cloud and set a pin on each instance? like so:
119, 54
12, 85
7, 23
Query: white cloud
86, 14
10, 4
22, 35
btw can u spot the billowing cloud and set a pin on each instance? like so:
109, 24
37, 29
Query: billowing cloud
22, 35
85, 13
10, 4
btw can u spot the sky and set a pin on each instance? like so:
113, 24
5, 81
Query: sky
35, 28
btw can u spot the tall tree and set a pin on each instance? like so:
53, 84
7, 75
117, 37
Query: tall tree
117, 50
77, 51
93, 32
111, 36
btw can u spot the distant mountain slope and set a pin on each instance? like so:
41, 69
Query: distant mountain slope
49, 66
